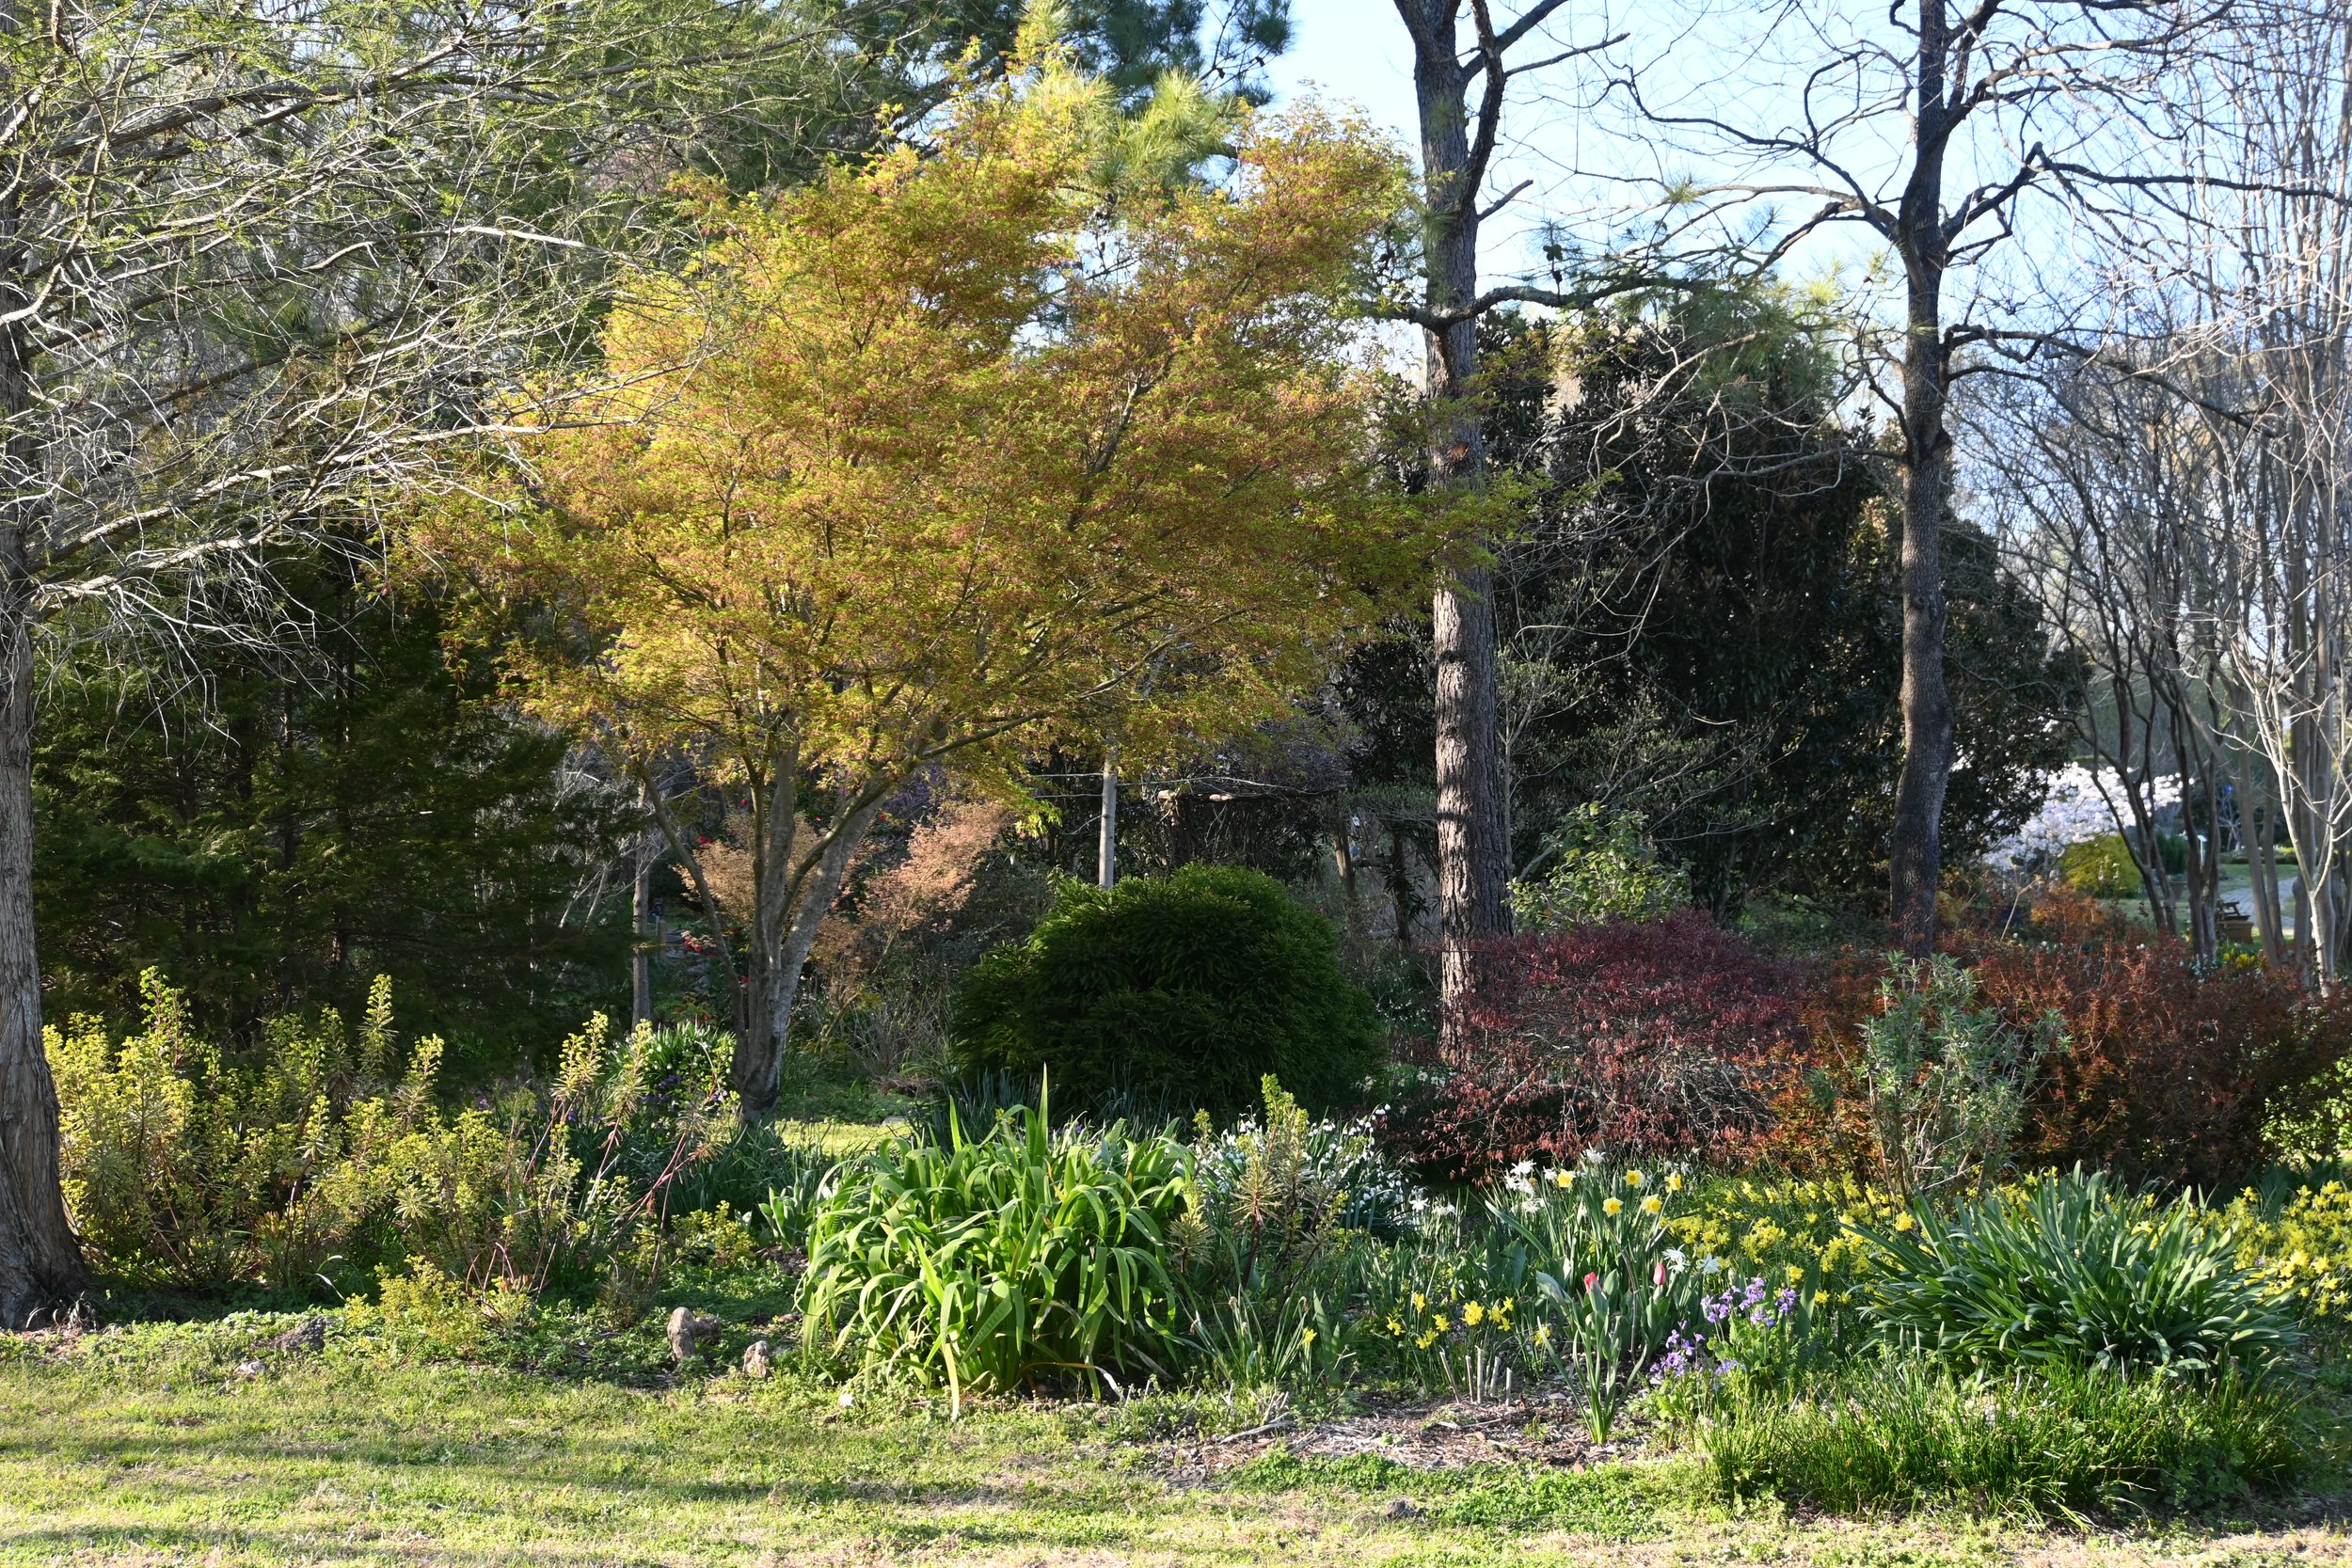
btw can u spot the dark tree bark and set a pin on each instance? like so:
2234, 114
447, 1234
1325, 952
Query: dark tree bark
1915, 845
1473, 829
41, 1261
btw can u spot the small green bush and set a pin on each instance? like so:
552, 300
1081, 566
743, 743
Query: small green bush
1191, 987
2068, 1271
1602, 867
1948, 1076
2062, 1443
1022, 1256
2103, 867
1281, 1206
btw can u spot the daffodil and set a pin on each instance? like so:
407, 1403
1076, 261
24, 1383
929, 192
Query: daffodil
1634, 1178
1472, 1314
1614, 1206
1653, 1203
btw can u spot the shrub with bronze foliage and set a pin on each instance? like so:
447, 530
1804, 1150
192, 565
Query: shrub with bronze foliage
2169, 1071
1672, 1036
2172, 1068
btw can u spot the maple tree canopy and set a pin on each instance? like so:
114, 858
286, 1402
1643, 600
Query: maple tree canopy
955, 448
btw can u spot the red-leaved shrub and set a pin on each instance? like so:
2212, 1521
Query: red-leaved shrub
1668, 1037
2170, 1069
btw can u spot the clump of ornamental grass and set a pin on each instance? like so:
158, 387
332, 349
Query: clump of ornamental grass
2067, 1271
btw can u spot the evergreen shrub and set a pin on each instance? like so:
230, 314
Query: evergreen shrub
1192, 987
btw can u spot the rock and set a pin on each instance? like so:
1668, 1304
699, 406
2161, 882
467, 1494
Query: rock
306, 1337
757, 1360
250, 1368
1403, 1508
687, 1330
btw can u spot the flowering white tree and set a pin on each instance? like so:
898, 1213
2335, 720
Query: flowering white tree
2083, 804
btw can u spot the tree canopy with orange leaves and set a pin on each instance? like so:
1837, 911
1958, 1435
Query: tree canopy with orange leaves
1014, 434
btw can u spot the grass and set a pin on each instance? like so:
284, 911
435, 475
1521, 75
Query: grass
2060, 1445
146, 1445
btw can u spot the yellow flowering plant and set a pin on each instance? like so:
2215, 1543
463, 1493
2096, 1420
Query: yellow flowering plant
2301, 1244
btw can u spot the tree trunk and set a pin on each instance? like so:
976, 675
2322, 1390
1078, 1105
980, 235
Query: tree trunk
1401, 897
1343, 861
40, 1263
794, 900
1915, 846
758, 1069
2257, 824
1473, 838
1107, 831
640, 928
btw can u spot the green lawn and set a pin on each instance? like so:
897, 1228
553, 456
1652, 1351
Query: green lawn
148, 1446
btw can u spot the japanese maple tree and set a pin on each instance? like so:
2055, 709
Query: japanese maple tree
1018, 432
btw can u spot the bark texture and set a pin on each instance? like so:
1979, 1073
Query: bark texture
1473, 836
41, 1261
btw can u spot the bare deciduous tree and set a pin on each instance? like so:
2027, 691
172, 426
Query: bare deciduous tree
1940, 127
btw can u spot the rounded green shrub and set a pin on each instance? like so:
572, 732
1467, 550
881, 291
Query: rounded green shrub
2101, 867
1190, 988
2104, 868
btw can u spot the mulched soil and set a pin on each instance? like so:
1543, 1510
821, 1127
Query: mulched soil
1541, 1431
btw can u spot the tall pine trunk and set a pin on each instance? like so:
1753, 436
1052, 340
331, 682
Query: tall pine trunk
1473, 837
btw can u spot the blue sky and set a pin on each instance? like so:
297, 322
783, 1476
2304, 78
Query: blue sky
1353, 49
1696, 55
